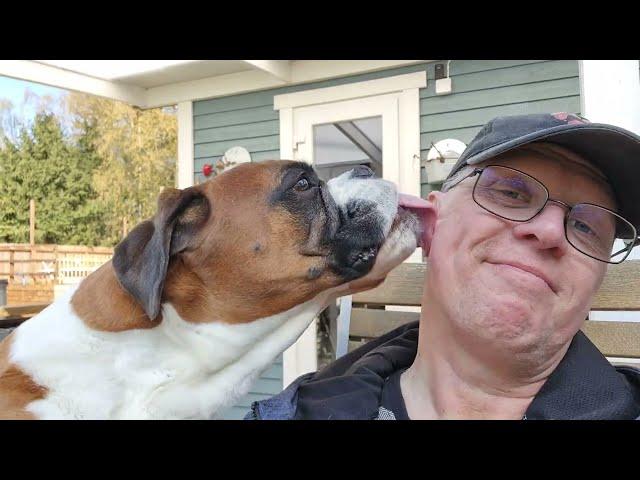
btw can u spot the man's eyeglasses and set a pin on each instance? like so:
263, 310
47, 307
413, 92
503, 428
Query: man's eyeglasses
596, 231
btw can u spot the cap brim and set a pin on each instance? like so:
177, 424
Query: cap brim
614, 150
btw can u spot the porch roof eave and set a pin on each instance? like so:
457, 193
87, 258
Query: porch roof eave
186, 81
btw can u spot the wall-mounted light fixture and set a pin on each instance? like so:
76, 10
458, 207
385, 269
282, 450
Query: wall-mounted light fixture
231, 157
441, 158
443, 81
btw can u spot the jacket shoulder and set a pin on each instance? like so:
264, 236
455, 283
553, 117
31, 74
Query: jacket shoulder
348, 388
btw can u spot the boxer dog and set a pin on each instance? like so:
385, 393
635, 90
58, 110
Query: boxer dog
199, 300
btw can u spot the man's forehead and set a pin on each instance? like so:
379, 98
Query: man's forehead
569, 160
564, 155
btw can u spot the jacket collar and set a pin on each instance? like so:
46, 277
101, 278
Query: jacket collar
585, 386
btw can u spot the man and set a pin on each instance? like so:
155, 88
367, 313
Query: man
525, 225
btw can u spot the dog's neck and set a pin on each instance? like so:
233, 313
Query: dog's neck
177, 369
230, 357
102, 303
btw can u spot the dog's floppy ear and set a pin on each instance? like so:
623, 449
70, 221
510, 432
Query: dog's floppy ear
141, 259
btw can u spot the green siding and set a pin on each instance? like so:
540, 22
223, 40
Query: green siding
476, 117
249, 120
482, 89
486, 89
237, 117
269, 383
492, 97
235, 132
253, 144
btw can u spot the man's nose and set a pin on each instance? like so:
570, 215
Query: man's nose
546, 229
361, 171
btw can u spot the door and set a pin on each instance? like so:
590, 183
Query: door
376, 123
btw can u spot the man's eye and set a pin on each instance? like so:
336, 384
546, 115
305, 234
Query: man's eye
302, 185
582, 227
512, 194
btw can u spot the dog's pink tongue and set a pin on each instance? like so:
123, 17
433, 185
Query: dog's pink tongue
420, 208
409, 201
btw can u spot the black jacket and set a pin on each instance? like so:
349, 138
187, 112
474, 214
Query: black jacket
584, 385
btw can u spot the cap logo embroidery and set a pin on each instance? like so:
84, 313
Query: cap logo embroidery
569, 118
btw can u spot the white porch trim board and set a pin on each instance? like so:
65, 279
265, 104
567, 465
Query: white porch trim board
610, 93
185, 173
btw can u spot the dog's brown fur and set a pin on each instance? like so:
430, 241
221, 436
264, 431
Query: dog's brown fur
205, 283
17, 389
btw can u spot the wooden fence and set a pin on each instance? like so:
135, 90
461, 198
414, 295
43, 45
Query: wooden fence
38, 273
25, 264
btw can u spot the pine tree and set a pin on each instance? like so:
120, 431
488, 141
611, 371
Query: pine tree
57, 174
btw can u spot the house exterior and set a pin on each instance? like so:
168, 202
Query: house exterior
396, 112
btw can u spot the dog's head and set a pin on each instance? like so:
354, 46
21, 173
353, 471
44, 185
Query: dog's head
262, 238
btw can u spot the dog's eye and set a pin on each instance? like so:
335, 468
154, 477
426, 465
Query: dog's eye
302, 185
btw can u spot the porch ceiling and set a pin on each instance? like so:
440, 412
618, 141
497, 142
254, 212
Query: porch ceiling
150, 73
154, 83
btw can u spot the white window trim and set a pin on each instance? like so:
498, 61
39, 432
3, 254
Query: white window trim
301, 356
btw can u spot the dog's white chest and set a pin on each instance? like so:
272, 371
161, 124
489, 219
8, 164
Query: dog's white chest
175, 370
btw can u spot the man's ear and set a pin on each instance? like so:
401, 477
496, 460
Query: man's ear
429, 218
142, 258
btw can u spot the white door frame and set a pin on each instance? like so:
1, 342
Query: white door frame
399, 97
305, 118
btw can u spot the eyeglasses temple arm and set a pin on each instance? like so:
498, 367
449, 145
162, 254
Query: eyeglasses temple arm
475, 172
635, 244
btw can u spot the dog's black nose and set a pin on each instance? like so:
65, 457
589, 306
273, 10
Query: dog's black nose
362, 261
361, 171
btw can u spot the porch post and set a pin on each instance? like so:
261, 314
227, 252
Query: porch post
185, 173
610, 92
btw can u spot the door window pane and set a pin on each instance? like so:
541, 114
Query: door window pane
340, 146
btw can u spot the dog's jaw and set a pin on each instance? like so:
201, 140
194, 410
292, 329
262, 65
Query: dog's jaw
399, 245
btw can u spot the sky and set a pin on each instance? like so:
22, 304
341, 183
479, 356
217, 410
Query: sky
14, 90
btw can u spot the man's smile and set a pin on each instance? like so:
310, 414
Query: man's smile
510, 267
